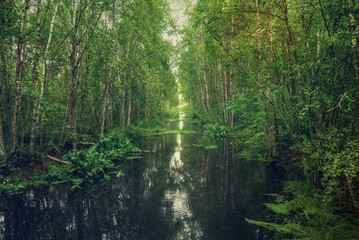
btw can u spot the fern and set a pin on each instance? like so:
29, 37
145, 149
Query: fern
305, 215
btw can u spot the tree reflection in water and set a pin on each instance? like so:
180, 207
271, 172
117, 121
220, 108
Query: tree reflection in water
177, 191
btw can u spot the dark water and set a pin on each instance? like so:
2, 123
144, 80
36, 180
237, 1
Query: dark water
177, 191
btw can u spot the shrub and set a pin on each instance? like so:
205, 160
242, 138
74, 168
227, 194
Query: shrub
93, 165
215, 130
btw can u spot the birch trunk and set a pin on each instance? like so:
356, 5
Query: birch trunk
129, 106
36, 108
206, 87
105, 99
18, 78
123, 108
271, 47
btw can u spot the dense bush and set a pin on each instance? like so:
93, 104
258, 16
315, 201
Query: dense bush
331, 160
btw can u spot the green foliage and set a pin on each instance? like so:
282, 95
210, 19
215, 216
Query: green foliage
215, 130
115, 146
93, 165
335, 157
87, 167
303, 213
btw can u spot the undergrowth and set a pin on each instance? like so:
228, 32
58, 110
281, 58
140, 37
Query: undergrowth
86, 167
302, 213
94, 164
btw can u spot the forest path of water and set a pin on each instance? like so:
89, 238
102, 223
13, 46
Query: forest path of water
178, 190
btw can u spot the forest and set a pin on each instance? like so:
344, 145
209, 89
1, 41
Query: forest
280, 78
76, 68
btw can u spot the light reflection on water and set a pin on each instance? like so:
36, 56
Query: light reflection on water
177, 191
178, 197
176, 161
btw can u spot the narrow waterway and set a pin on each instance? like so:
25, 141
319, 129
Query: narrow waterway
176, 191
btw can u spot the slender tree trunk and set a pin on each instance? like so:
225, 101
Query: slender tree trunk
354, 42
273, 81
36, 108
223, 93
147, 103
25, 123
3, 78
200, 88
35, 72
271, 47
260, 72
206, 87
352, 192
78, 51
105, 99
2, 145
109, 115
228, 85
63, 131
18, 80
129, 106
291, 45
123, 108
73, 111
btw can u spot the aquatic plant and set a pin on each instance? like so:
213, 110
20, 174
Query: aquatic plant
93, 164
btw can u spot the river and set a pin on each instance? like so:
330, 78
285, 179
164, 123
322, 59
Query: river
178, 190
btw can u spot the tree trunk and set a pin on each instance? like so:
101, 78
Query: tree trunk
105, 99
271, 48
2, 145
273, 81
63, 135
73, 98
228, 84
223, 93
201, 91
18, 79
77, 53
354, 40
123, 108
260, 72
36, 108
291, 45
206, 87
2, 81
25, 123
129, 106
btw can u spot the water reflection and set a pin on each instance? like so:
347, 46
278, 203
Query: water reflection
181, 117
177, 196
176, 157
177, 191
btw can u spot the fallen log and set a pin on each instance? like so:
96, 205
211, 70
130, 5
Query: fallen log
86, 143
56, 159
